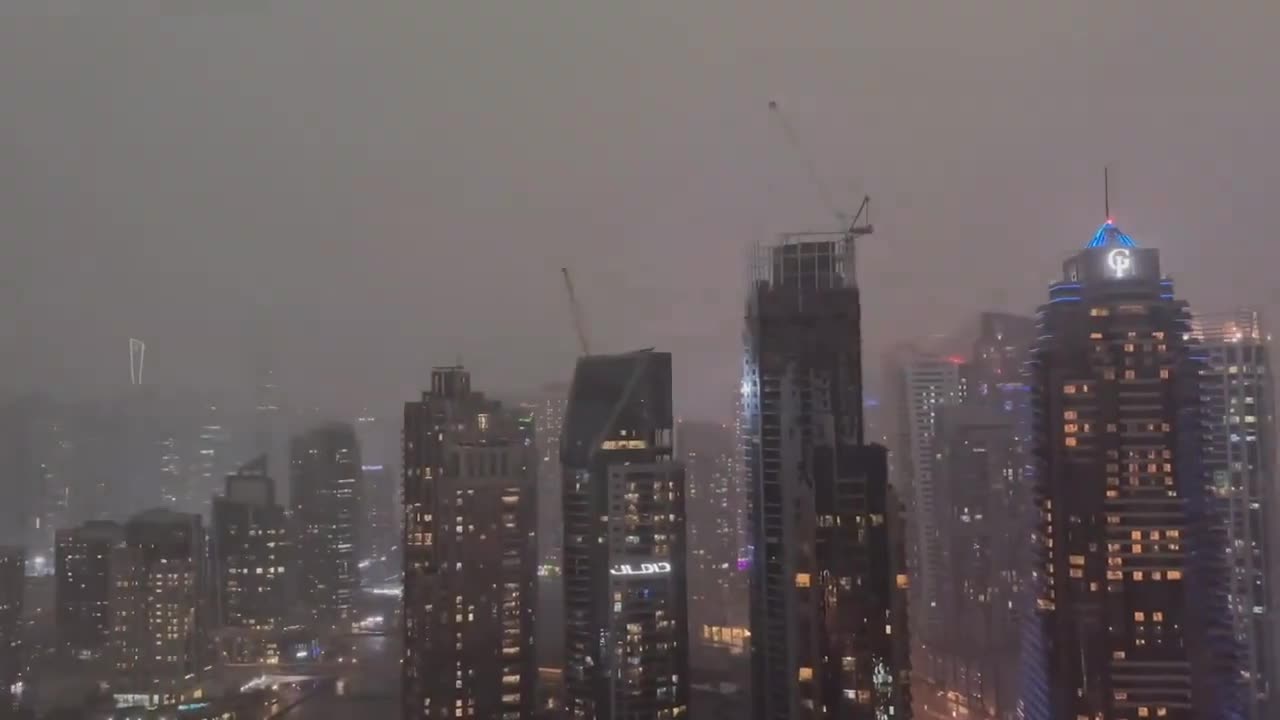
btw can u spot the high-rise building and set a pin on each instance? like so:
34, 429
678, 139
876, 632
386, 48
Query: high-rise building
31, 453
84, 587
1128, 598
158, 602
978, 467
470, 564
1238, 396
380, 499
210, 461
252, 557
12, 564
270, 434
715, 500
978, 437
548, 408
325, 489
926, 382
626, 625
828, 626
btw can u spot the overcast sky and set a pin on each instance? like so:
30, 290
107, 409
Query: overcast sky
365, 189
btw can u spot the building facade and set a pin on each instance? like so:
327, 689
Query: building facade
828, 625
159, 603
252, 558
548, 411
325, 491
1121, 497
927, 382
470, 555
1239, 402
83, 588
623, 494
715, 505
380, 500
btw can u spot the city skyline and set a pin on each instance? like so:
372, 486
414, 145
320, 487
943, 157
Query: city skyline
815, 377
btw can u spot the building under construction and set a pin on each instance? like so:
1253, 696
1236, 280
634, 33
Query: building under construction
828, 611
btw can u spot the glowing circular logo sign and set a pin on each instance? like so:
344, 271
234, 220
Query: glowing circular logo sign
1120, 261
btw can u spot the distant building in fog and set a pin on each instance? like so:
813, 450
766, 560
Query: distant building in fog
12, 564
253, 564
325, 491
380, 452
1239, 401
470, 562
926, 381
84, 587
715, 504
626, 625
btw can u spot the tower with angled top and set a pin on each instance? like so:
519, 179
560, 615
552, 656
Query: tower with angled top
1129, 602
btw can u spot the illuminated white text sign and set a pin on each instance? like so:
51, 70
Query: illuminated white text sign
653, 568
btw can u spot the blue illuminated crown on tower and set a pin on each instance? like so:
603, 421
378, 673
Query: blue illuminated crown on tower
1110, 236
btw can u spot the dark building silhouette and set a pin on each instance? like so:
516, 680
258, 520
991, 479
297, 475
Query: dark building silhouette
626, 625
470, 554
12, 570
252, 563
324, 489
828, 625
1131, 599
83, 588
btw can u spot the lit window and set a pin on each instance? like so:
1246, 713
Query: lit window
1174, 575
802, 580
1069, 389
1071, 442
1070, 415
805, 674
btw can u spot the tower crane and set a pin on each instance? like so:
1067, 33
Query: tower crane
849, 228
575, 311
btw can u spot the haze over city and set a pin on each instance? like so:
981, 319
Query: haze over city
364, 191
600, 360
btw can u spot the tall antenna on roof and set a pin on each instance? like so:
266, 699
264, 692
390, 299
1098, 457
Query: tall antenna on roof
1106, 192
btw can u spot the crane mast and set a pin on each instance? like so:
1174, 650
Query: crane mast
850, 229
575, 312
